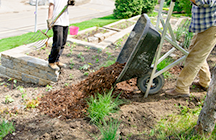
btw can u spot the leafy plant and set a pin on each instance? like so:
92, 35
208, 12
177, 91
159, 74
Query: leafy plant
48, 87
127, 8
5, 128
148, 6
32, 103
21, 89
86, 73
84, 67
8, 99
79, 55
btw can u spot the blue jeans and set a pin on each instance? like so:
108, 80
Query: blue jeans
60, 34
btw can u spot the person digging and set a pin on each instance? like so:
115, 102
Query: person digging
60, 31
203, 24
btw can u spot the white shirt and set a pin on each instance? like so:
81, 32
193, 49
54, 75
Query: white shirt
63, 20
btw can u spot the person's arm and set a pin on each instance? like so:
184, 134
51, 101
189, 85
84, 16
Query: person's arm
50, 15
50, 11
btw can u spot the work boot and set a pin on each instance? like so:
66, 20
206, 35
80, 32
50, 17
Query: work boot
53, 66
197, 84
61, 65
174, 93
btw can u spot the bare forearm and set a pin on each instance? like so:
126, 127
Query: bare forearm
50, 11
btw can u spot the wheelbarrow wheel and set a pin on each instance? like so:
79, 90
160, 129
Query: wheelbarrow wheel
157, 84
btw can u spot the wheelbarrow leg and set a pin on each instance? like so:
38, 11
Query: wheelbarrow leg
157, 56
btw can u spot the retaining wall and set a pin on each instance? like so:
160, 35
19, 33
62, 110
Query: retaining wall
28, 69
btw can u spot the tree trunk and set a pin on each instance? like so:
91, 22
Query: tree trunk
207, 117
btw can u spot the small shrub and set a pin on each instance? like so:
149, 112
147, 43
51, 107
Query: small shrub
181, 6
148, 5
127, 8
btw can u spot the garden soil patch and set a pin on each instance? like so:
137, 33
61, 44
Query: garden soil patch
61, 113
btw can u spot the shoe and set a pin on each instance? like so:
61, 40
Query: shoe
53, 66
174, 93
197, 84
61, 65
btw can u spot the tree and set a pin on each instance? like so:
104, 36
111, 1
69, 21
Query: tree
207, 117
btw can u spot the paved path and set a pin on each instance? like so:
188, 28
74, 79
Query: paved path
17, 17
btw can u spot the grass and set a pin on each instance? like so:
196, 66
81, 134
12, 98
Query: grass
180, 126
109, 130
12, 42
101, 106
5, 128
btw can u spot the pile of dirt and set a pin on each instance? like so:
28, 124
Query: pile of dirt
70, 102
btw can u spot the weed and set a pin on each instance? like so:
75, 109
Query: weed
82, 59
8, 99
66, 84
48, 87
101, 106
97, 60
32, 103
5, 128
93, 57
24, 95
79, 55
21, 89
109, 130
99, 51
84, 67
71, 76
86, 73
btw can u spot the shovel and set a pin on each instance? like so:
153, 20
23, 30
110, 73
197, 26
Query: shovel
41, 38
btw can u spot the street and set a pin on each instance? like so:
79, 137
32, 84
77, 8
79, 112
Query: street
20, 22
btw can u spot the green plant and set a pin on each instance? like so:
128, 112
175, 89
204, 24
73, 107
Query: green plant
183, 35
101, 106
21, 89
32, 103
180, 126
5, 128
109, 130
66, 84
48, 87
8, 99
108, 63
97, 60
181, 6
86, 73
71, 76
84, 67
148, 5
127, 8
82, 58
79, 55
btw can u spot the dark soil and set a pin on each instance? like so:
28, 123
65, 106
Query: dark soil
61, 113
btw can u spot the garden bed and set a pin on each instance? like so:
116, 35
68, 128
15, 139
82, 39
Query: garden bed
136, 115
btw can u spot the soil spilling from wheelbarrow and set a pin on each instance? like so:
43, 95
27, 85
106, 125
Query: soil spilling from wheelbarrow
70, 102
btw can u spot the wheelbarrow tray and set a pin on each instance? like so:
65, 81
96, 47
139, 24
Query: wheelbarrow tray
139, 50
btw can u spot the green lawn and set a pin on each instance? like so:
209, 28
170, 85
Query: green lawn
12, 42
